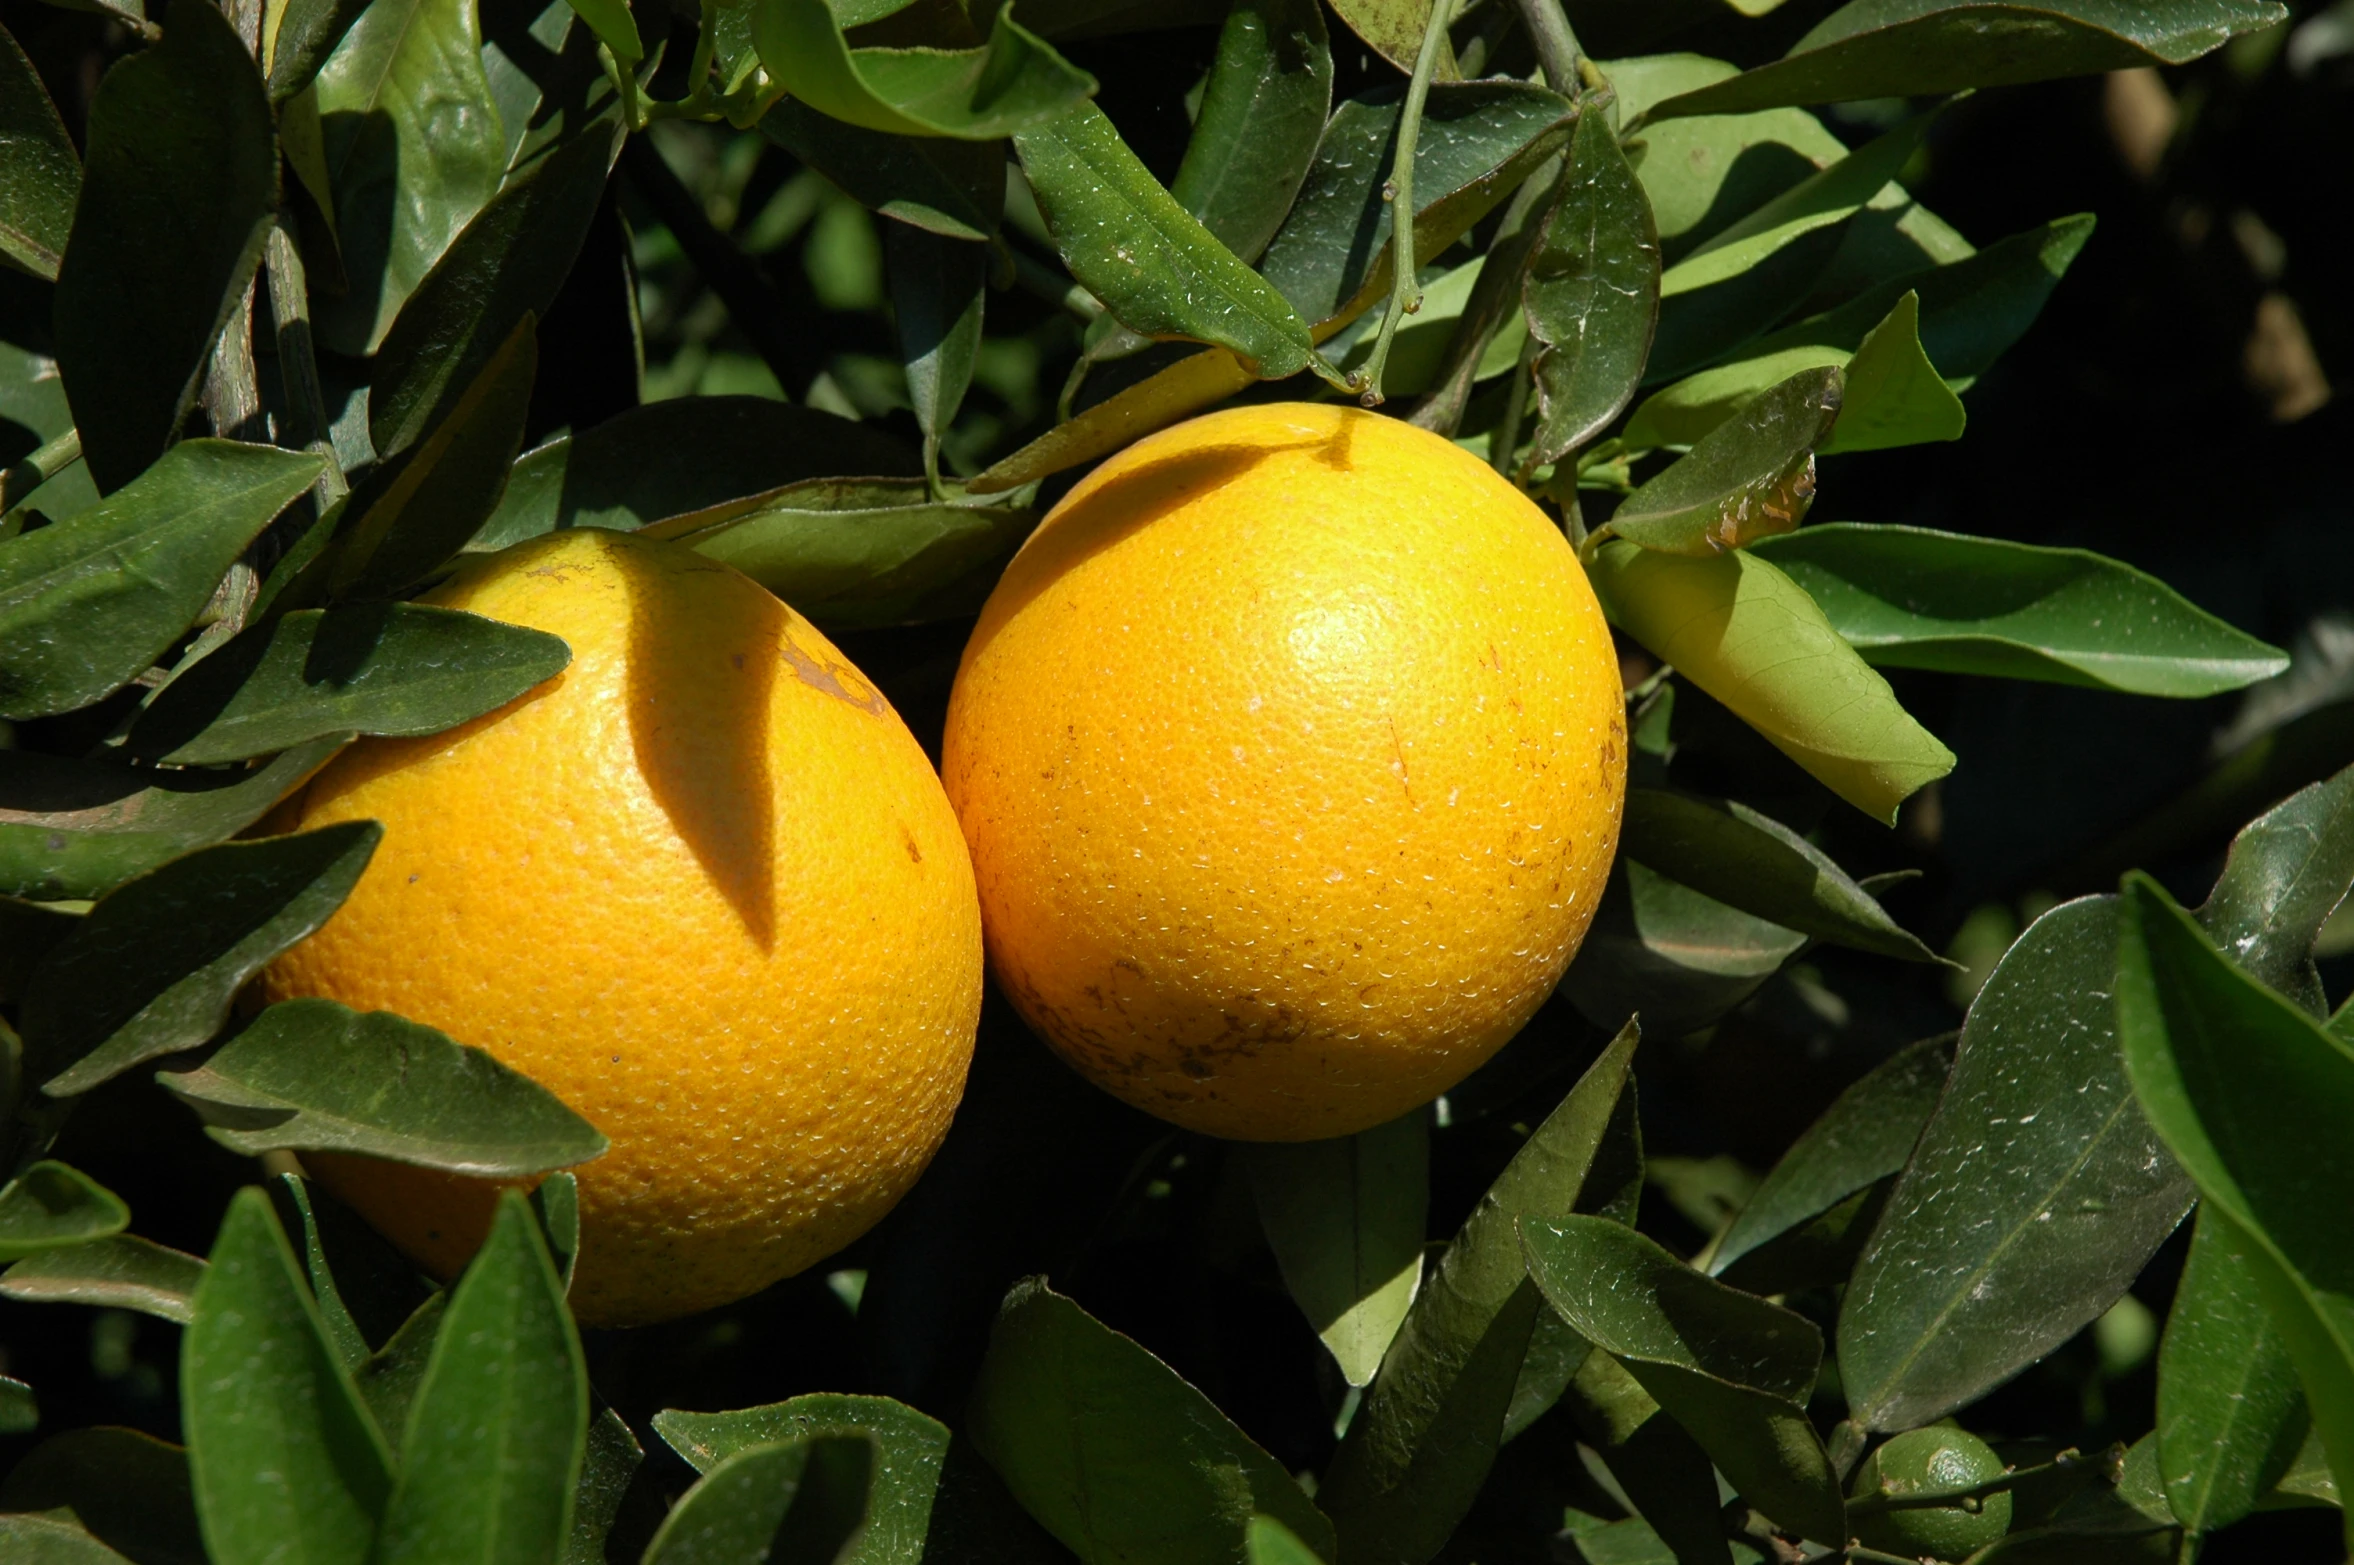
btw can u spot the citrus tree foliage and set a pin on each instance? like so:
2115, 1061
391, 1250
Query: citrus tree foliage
308, 299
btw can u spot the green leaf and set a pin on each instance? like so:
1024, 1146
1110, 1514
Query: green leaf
1420, 1447
1738, 628
1393, 29
1911, 48
1735, 1371
1261, 118
1613, 1188
2252, 1095
508, 263
1332, 257
44, 1540
797, 1503
1148, 259
311, 1075
1908, 597
615, 28
1660, 950
399, 669
2287, 872
1592, 293
154, 968
1111, 1451
1744, 859
89, 604
40, 173
1267, 1541
911, 1457
179, 143
2034, 1198
413, 150
937, 289
290, 1195
1894, 394
1195, 382
1970, 311
306, 33
955, 189
20, 1410
128, 1489
1749, 478
1867, 1134
1661, 1469
389, 1380
854, 553
29, 931
285, 1461
51, 1206
498, 1429
555, 1202
610, 1461
678, 458
419, 507
81, 828
123, 1273
1012, 84
1345, 1219
2231, 1415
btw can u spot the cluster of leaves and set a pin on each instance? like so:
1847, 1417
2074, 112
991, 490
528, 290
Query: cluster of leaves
278, 339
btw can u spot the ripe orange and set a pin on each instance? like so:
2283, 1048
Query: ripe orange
703, 886
1291, 752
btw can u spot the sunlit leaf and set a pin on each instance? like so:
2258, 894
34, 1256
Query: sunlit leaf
51, 1206
42, 172
1014, 83
1751, 477
1261, 118
2287, 872
1345, 1219
1662, 951
124, 1273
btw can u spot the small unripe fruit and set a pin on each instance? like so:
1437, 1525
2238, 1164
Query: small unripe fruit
1927, 1461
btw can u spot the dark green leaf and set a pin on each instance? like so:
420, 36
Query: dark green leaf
290, 1195
1116, 1456
2034, 1198
1819, 1252
1148, 259
1421, 1445
51, 1206
2231, 1416
911, 1452
798, 1503
81, 828
615, 28
498, 1429
678, 458
123, 1273
1261, 118
1345, 1219
382, 668
40, 173
952, 188
1911, 48
311, 1075
307, 33
1332, 257
45, 1540
1908, 597
1748, 860
28, 932
507, 264
412, 148
1614, 1189
555, 1201
1012, 84
89, 604
419, 507
1735, 1371
2253, 1095
284, 1458
937, 288
853, 553
1660, 950
179, 143
128, 1489
1970, 311
1662, 1470
1749, 478
1394, 29
389, 1380
154, 967
1592, 294
1866, 1135
1738, 628
2287, 872
609, 1463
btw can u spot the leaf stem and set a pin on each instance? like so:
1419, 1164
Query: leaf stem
1405, 289
298, 366
22, 478
1504, 439
1557, 44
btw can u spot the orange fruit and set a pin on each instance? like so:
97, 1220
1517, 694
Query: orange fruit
704, 887
1291, 751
